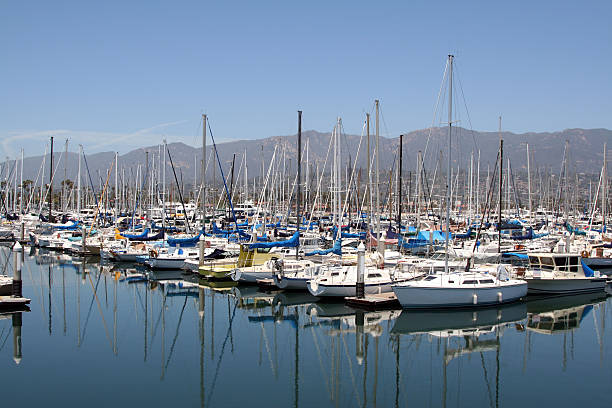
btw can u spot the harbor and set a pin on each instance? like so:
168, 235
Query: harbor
322, 204
161, 337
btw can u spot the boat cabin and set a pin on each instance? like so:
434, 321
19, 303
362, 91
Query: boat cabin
555, 262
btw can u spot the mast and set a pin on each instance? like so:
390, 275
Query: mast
448, 167
470, 190
164, 190
418, 192
529, 185
501, 181
604, 184
478, 185
63, 207
21, 185
337, 200
399, 187
369, 182
378, 246
51, 184
299, 182
116, 178
203, 200
79, 183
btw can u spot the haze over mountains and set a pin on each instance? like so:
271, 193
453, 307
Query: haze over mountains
585, 153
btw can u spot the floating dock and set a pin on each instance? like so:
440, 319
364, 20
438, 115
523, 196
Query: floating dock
374, 302
266, 284
13, 302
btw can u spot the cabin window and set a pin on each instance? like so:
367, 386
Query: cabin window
450, 281
470, 282
487, 281
547, 261
335, 273
573, 263
560, 261
429, 278
374, 275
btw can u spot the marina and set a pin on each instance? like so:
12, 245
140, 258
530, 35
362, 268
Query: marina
159, 337
321, 204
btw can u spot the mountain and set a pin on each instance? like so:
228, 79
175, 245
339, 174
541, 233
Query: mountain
585, 154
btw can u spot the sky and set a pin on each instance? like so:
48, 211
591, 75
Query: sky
115, 75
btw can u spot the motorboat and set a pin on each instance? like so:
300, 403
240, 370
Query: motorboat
561, 274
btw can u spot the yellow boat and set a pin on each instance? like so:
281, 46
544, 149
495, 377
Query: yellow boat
220, 268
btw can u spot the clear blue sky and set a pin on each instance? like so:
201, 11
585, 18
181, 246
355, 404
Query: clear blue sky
117, 74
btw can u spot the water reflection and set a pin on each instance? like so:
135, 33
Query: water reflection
215, 343
11, 324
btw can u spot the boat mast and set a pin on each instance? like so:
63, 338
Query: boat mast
604, 185
164, 190
378, 246
21, 185
501, 181
369, 183
529, 185
203, 200
79, 183
478, 186
51, 184
299, 181
116, 180
338, 178
448, 168
399, 187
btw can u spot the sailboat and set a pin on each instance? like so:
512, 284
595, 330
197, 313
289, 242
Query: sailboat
458, 289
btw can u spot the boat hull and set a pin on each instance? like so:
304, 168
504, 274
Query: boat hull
291, 283
157, 263
538, 286
419, 297
339, 290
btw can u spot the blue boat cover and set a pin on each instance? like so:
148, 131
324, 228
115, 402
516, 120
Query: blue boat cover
184, 242
517, 255
588, 272
143, 234
72, 226
336, 249
290, 243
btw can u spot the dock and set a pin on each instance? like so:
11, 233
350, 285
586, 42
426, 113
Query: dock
13, 302
374, 302
266, 284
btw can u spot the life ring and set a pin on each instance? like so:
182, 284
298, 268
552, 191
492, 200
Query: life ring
584, 254
153, 253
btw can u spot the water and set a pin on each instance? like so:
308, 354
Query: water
93, 338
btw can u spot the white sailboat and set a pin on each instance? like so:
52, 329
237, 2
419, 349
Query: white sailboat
458, 289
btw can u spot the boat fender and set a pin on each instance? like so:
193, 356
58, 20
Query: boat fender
499, 297
314, 285
475, 299
584, 254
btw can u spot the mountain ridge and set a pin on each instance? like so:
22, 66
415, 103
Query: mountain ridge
547, 149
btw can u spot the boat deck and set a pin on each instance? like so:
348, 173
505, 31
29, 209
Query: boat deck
377, 301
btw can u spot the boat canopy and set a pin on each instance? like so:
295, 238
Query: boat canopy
336, 249
290, 243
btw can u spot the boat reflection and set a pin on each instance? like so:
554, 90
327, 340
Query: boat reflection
560, 314
456, 323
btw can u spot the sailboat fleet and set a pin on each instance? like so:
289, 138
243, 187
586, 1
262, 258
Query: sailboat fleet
321, 228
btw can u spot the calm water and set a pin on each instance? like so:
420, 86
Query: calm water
97, 336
